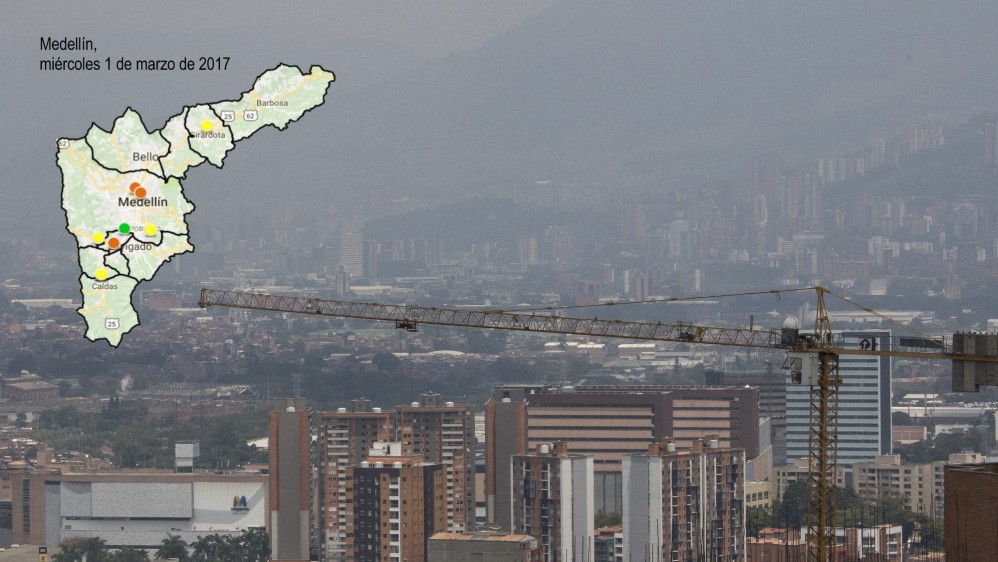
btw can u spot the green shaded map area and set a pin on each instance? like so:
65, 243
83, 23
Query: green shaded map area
122, 194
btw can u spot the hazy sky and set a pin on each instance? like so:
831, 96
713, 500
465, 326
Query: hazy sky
362, 42
428, 29
492, 95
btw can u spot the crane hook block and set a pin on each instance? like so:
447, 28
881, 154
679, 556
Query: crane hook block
406, 324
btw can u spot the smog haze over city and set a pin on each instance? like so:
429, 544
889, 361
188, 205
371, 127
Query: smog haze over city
665, 161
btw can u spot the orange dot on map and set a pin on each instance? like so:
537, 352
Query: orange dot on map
134, 186
140, 192
113, 243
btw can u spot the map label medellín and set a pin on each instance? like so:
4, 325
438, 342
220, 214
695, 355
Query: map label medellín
122, 194
67, 44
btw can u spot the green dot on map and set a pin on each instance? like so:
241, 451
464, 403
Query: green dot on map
124, 228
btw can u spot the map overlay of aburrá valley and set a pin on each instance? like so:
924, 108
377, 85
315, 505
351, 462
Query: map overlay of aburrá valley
122, 192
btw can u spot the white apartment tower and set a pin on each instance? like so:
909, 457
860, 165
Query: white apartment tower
864, 421
552, 501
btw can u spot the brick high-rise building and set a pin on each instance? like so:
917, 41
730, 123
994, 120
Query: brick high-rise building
684, 504
444, 433
552, 501
397, 505
971, 512
432, 430
346, 436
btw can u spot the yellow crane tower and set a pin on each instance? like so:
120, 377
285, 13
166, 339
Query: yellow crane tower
813, 359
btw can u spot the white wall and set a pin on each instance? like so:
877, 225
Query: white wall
142, 513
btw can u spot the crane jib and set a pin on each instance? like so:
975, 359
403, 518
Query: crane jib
974, 358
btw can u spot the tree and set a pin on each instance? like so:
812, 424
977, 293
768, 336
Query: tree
204, 548
791, 510
95, 549
386, 362
69, 551
930, 534
82, 549
213, 548
254, 545
173, 547
900, 418
889, 507
128, 554
756, 519
604, 519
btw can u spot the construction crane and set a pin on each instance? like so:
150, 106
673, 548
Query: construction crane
813, 359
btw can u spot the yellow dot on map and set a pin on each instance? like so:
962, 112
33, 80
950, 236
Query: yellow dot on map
101, 274
150, 230
98, 238
207, 125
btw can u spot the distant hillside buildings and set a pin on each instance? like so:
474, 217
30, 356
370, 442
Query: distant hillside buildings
28, 387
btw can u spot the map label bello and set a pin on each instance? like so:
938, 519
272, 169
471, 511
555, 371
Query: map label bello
122, 194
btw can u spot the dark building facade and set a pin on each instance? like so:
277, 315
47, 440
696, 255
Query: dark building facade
398, 504
772, 400
971, 524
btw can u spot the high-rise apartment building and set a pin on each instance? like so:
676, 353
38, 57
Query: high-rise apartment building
684, 504
606, 423
345, 438
348, 253
443, 432
289, 494
991, 143
864, 409
529, 251
432, 430
397, 505
372, 253
552, 501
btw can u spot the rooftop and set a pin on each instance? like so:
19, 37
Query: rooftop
481, 537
